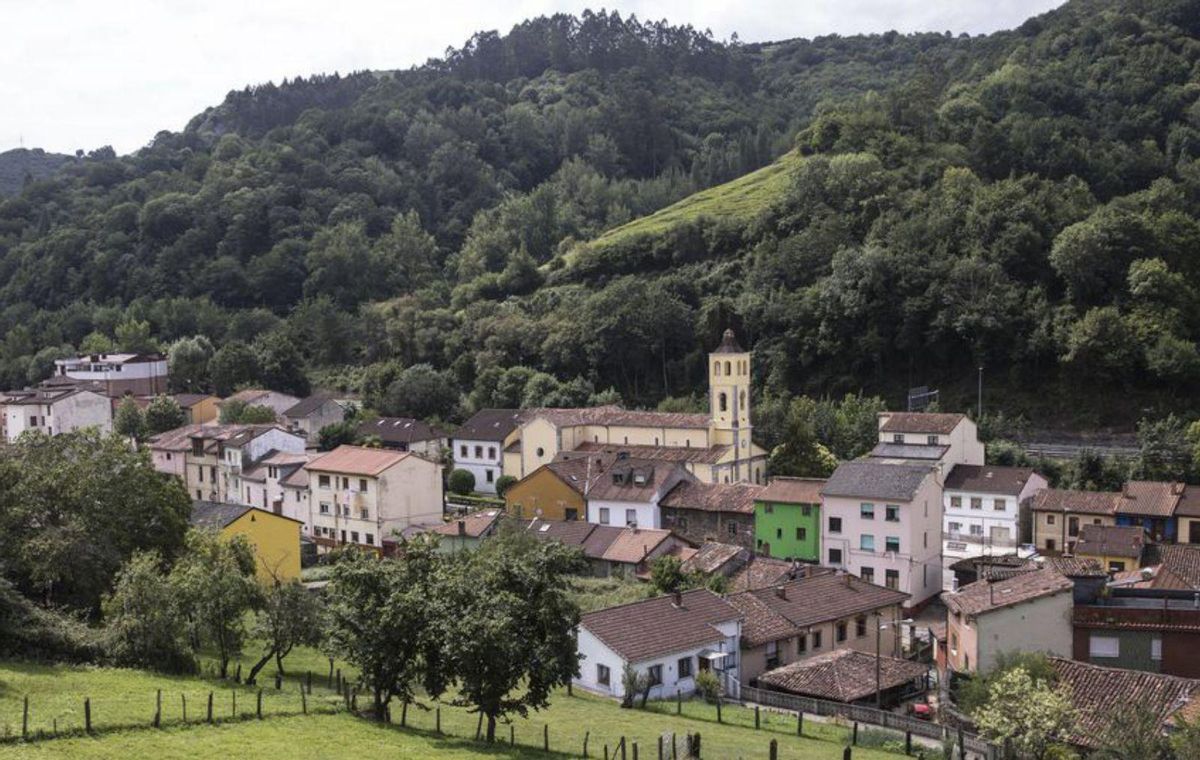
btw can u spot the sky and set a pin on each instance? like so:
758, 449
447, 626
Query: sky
80, 74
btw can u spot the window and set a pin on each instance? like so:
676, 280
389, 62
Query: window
732, 528
860, 627
354, 536
932, 440
891, 579
892, 513
199, 474
462, 451
685, 667
898, 438
976, 502
867, 574
801, 644
362, 485
892, 544
1050, 544
779, 533
603, 675
866, 511
479, 452
840, 632
772, 654
1156, 648
366, 513
323, 481
491, 452
604, 515
541, 452
769, 509
976, 530
722, 402
324, 508
806, 510
835, 556
954, 527
866, 542
1104, 646
631, 517
835, 525
999, 505
1049, 519
956, 501
682, 523
816, 639
489, 475
801, 534
370, 539
655, 674
343, 537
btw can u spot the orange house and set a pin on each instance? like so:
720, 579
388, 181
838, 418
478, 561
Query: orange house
554, 491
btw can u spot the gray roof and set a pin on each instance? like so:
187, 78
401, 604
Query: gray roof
213, 514
908, 451
309, 405
490, 425
876, 480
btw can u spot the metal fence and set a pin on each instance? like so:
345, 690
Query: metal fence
869, 715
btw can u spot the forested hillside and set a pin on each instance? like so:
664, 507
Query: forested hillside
434, 237
22, 165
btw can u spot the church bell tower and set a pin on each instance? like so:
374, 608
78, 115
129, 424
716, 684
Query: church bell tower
729, 400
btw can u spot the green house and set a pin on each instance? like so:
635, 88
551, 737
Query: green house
787, 519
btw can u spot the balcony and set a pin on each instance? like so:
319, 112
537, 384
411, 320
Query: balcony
977, 539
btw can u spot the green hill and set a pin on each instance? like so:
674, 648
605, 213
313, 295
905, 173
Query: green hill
21, 165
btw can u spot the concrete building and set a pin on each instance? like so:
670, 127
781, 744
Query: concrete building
787, 519
1028, 612
883, 523
55, 410
362, 497
701, 512
630, 491
117, 374
309, 415
983, 510
478, 446
949, 439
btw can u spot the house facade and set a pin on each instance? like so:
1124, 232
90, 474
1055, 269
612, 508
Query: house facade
117, 374
950, 439
309, 415
1150, 505
55, 410
983, 508
1115, 547
478, 446
670, 639
552, 492
882, 521
630, 491
703, 512
1059, 514
274, 539
787, 519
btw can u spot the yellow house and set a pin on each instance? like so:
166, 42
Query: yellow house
1059, 515
554, 491
274, 538
198, 408
1116, 547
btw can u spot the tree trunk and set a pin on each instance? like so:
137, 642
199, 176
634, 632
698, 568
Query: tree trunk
259, 666
279, 659
491, 728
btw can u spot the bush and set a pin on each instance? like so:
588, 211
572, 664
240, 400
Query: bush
462, 482
503, 483
708, 685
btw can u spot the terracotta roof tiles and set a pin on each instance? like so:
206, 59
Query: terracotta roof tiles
844, 675
793, 490
652, 628
357, 460
984, 596
713, 497
920, 422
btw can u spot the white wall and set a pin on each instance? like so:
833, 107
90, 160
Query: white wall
491, 459
1042, 625
647, 515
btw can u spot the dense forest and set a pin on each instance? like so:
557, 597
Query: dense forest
20, 166
1023, 201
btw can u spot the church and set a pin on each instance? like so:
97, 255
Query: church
717, 447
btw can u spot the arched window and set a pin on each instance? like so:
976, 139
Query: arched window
722, 402
742, 401
717, 368
728, 367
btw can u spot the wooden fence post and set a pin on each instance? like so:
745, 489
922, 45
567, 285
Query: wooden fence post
962, 749
87, 714
329, 682
210, 698
546, 737
773, 752
756, 718
622, 746
605, 752
678, 702
847, 754
309, 679
278, 681
800, 723
158, 708
238, 678
512, 735
908, 742
25, 719
635, 754
258, 706
586, 734
696, 746
854, 741
718, 708
404, 713
183, 703
303, 700
438, 720
234, 708
339, 680
660, 754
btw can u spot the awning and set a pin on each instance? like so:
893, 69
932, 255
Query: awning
711, 656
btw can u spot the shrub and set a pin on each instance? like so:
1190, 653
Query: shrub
462, 482
708, 685
503, 483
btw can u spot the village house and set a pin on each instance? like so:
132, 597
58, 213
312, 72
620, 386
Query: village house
210, 459
787, 519
274, 539
1187, 514
198, 408
983, 508
611, 551
703, 512
116, 374
762, 572
814, 614
883, 522
1150, 505
1100, 695
309, 415
1028, 611
714, 559
361, 496
555, 491
852, 677
630, 491
1115, 547
1059, 514
263, 481
273, 400
408, 434
942, 438
243, 450
478, 446
670, 639
468, 532
295, 497
55, 410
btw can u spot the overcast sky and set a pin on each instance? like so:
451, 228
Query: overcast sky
86, 73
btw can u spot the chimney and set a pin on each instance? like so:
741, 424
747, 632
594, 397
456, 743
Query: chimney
1177, 489
462, 527
781, 592
677, 599
849, 584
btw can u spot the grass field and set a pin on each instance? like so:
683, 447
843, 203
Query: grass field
123, 705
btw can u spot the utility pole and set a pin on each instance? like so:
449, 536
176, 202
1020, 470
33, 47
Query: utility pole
981, 392
878, 663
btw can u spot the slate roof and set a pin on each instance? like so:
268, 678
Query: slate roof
711, 557
760, 572
357, 460
1082, 502
793, 490
634, 480
685, 454
489, 425
400, 430
921, 422
1111, 540
876, 480
794, 606
599, 539
308, 405
568, 532
985, 596
652, 628
917, 451
1008, 481
1099, 694
1148, 498
843, 675
713, 497
729, 344
216, 515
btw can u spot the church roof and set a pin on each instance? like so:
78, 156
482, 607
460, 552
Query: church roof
729, 344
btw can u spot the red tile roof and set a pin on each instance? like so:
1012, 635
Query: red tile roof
652, 628
793, 490
473, 525
1009, 481
984, 596
844, 675
1149, 498
1082, 502
1111, 541
632, 545
357, 460
713, 497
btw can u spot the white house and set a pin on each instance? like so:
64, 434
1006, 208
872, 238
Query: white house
948, 439
668, 638
882, 521
313, 413
243, 450
478, 446
55, 410
630, 492
278, 402
117, 374
263, 482
982, 511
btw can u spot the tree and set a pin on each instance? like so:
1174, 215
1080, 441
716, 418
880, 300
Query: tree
503, 483
508, 625
144, 626
337, 434
216, 583
420, 391
1185, 739
236, 411
1165, 451
666, 574
1134, 733
633, 683
800, 453
129, 420
290, 617
383, 620
233, 365
280, 366
134, 336
1028, 713
187, 362
461, 482
163, 413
